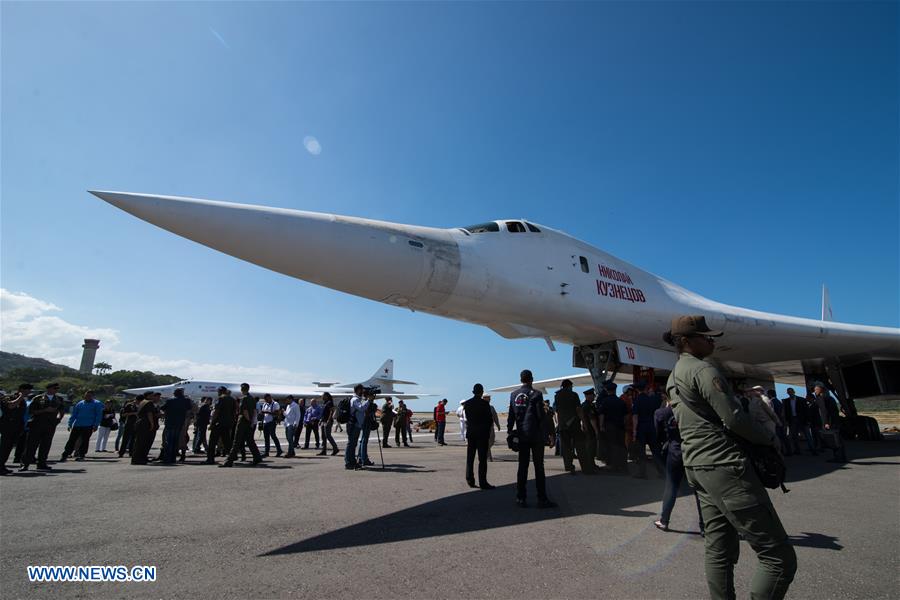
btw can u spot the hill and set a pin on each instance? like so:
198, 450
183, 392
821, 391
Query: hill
16, 369
10, 361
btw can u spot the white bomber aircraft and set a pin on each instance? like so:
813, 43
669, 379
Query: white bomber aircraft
525, 280
383, 379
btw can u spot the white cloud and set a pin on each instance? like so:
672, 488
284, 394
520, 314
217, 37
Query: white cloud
312, 145
26, 328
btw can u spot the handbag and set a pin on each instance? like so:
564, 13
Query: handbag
114, 426
766, 461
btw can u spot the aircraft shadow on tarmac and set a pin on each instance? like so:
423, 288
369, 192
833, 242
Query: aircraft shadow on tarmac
478, 510
483, 510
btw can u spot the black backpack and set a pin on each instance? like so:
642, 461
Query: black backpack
343, 411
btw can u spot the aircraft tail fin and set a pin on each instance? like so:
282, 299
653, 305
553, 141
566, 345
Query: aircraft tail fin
827, 314
384, 378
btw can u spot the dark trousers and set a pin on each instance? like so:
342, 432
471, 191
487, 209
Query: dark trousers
143, 439
327, 438
643, 439
534, 452
78, 442
385, 432
567, 445
674, 476
795, 429
441, 426
353, 432
298, 433
171, 441
270, 435
614, 437
219, 436
398, 431
21, 446
127, 443
200, 443
40, 437
8, 440
243, 434
311, 427
480, 445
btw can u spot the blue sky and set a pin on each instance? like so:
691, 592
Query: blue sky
769, 129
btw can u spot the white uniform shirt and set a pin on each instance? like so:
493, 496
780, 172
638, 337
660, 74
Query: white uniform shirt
292, 414
268, 407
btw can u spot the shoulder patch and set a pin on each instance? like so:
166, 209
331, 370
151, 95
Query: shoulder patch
719, 384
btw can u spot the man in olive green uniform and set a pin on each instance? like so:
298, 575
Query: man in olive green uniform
44, 414
128, 418
243, 433
591, 430
733, 502
221, 424
568, 421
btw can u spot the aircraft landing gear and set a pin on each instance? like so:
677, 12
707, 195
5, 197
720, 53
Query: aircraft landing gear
600, 360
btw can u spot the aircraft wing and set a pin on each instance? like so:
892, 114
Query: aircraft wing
582, 379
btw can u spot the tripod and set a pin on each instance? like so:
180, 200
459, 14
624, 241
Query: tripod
380, 451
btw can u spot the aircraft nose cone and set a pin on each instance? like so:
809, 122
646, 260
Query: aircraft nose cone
388, 262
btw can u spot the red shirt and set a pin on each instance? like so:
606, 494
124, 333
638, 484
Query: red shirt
440, 415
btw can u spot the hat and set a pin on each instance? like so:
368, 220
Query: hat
687, 325
54, 384
589, 391
26, 386
609, 385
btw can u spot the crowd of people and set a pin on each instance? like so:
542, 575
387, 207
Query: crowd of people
691, 428
607, 428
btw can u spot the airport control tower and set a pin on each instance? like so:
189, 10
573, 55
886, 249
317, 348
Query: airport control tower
87, 358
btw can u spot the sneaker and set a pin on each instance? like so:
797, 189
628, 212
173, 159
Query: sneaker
23, 468
662, 526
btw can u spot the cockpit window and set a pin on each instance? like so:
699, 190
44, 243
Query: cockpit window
515, 227
532, 228
483, 228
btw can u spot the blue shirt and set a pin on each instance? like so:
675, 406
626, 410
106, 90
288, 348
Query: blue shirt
643, 408
313, 413
86, 414
358, 411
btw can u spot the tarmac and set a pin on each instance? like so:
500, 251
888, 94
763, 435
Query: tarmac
307, 528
